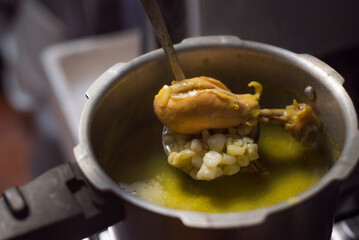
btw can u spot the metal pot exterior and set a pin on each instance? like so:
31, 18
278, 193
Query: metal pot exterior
312, 219
132, 85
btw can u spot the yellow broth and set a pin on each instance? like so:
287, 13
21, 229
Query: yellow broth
140, 167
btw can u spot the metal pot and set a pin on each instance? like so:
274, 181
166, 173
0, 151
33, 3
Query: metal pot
87, 196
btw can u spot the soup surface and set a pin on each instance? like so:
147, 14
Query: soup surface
140, 167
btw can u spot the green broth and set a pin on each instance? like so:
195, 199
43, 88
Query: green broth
140, 167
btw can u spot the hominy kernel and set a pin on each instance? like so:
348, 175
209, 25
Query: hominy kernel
178, 160
218, 172
229, 141
228, 159
235, 150
188, 153
171, 157
212, 159
206, 173
247, 140
183, 158
188, 145
197, 161
193, 173
252, 151
238, 142
243, 160
196, 145
216, 142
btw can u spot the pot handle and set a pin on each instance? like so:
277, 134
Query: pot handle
59, 204
325, 67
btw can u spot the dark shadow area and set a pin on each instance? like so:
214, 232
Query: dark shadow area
346, 63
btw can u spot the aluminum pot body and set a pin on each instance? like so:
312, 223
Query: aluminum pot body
125, 93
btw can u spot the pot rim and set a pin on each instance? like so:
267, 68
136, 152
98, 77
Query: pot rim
97, 176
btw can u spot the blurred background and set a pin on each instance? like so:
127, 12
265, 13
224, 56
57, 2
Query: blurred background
51, 51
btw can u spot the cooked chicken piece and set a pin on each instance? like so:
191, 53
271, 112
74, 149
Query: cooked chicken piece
200, 103
298, 119
196, 104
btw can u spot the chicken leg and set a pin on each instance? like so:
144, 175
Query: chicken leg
193, 105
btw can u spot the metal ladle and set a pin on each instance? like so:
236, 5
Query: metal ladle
154, 14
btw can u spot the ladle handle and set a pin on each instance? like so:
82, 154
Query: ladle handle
154, 14
59, 204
